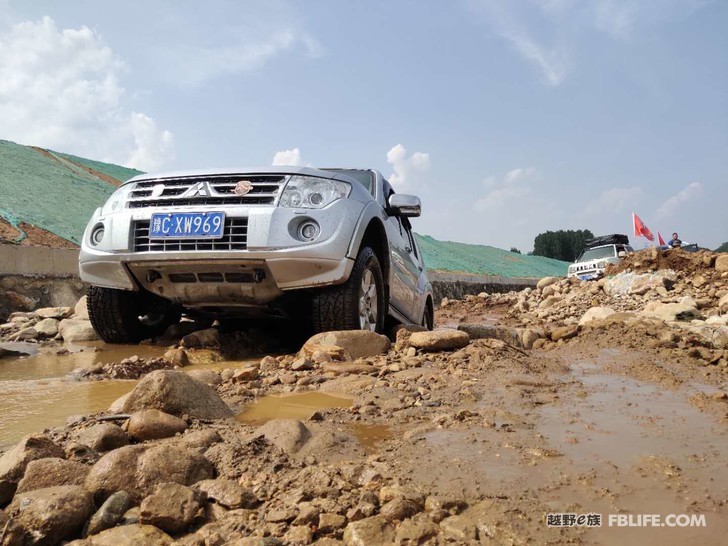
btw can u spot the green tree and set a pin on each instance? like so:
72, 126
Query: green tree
561, 245
514, 249
723, 247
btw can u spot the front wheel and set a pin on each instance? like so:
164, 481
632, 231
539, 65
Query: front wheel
119, 316
428, 316
358, 304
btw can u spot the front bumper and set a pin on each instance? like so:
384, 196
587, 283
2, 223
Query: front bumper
274, 259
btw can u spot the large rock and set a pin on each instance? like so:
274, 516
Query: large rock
54, 312
228, 493
14, 462
358, 343
547, 281
670, 312
102, 437
81, 309
373, 530
127, 535
288, 434
439, 340
487, 331
77, 330
595, 313
110, 513
631, 283
723, 305
49, 516
52, 472
178, 394
172, 507
201, 338
47, 327
721, 262
153, 424
139, 469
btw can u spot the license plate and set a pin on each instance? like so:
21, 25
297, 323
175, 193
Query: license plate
589, 277
187, 225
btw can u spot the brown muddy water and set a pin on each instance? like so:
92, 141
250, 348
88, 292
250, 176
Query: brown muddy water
38, 393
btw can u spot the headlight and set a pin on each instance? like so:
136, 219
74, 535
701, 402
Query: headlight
602, 265
313, 193
117, 200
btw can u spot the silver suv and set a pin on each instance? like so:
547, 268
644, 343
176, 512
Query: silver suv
332, 246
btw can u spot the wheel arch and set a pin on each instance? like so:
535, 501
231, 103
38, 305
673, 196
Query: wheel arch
371, 232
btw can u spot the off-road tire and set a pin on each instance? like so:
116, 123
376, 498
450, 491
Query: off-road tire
428, 316
337, 307
115, 314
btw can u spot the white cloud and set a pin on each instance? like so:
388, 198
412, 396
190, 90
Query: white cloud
289, 158
514, 184
613, 201
407, 170
60, 89
684, 195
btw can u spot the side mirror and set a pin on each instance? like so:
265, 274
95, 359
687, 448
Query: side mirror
404, 205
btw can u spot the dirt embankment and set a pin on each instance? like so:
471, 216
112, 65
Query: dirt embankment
600, 398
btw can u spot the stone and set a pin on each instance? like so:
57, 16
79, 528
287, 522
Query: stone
399, 509
529, 337
109, 514
548, 302
721, 262
459, 528
47, 327
153, 424
25, 334
208, 377
288, 434
564, 332
414, 531
339, 368
596, 313
671, 312
53, 312
723, 305
138, 469
699, 281
178, 394
14, 462
631, 283
52, 472
330, 523
53, 514
547, 281
177, 357
81, 309
172, 507
368, 531
358, 343
200, 439
77, 330
298, 535
301, 364
202, 338
439, 340
103, 437
247, 373
487, 331
80, 453
127, 535
228, 493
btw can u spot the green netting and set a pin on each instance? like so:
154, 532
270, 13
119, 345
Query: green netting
122, 174
42, 191
486, 260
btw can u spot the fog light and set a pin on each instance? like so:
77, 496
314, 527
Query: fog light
308, 231
97, 235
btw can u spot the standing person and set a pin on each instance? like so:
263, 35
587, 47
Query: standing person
675, 242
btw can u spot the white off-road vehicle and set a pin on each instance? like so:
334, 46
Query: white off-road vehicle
332, 246
599, 252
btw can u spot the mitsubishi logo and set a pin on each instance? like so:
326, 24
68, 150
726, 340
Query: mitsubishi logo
201, 189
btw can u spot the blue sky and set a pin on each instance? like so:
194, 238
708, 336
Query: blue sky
508, 118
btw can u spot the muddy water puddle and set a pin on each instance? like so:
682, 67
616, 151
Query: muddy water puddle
302, 406
38, 393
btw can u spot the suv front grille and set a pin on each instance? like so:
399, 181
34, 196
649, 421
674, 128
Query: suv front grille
205, 190
235, 237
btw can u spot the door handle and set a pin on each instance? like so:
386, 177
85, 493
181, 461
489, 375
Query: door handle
408, 249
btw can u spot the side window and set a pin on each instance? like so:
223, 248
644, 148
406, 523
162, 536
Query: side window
410, 235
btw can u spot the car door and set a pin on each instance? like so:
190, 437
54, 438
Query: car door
413, 268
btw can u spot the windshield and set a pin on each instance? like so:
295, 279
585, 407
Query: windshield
364, 177
597, 253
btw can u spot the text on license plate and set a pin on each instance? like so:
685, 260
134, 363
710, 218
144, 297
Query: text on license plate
181, 225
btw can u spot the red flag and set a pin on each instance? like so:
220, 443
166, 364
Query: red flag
660, 239
640, 229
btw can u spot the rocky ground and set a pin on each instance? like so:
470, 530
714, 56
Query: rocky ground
604, 397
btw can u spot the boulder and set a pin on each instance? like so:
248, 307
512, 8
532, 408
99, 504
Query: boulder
723, 305
53, 312
139, 469
208, 377
109, 514
228, 493
721, 262
153, 424
25, 334
487, 331
339, 368
177, 357
373, 530
81, 309
547, 281
439, 340
14, 462
595, 313
671, 312
178, 394
358, 343
564, 332
77, 330
202, 338
102, 437
47, 327
172, 507
288, 434
529, 337
549, 301
127, 535
49, 516
52, 472
631, 283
